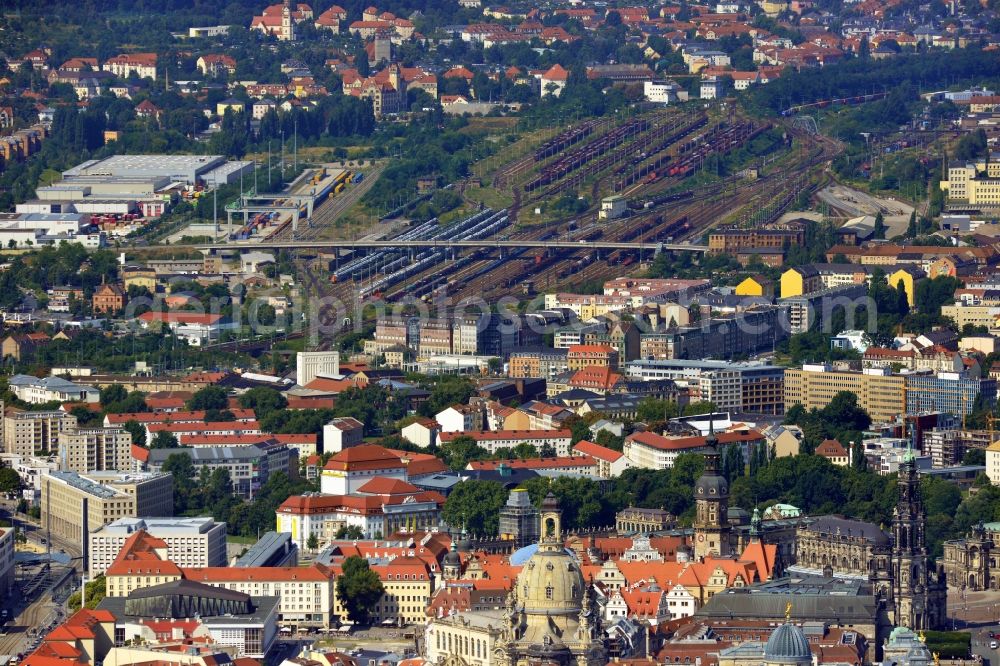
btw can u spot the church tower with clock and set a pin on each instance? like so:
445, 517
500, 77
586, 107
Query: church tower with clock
712, 531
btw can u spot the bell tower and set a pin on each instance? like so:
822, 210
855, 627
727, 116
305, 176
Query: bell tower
551, 520
712, 531
918, 595
287, 25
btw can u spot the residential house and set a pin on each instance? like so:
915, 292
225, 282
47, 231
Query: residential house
108, 298
143, 65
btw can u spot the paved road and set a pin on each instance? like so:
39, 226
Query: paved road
981, 645
36, 533
33, 622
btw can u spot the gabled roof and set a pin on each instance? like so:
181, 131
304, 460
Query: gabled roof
364, 456
597, 451
381, 485
764, 557
556, 73
831, 448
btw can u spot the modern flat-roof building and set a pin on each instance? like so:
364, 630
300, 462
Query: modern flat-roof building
109, 496
951, 392
187, 169
249, 466
6, 561
273, 549
95, 450
245, 626
191, 542
32, 433
881, 394
752, 388
885, 395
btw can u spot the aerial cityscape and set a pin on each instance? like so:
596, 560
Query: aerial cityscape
482, 333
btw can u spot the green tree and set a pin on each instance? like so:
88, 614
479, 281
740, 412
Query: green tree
879, 230
210, 397
475, 506
458, 452
164, 439
179, 466
359, 588
10, 481
651, 410
312, 543
349, 532
112, 393
96, 590
974, 457
137, 430
911, 227
263, 400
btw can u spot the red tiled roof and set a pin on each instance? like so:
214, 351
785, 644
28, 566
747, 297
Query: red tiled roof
526, 435
597, 451
364, 456
682, 443
534, 463
381, 485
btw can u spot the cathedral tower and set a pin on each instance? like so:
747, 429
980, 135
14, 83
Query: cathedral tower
919, 593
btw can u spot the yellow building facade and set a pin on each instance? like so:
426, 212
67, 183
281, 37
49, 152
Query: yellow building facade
882, 396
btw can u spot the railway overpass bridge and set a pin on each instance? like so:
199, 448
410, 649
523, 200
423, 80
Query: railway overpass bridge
445, 243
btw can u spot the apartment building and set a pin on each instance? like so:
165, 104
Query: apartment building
35, 433
435, 337
734, 240
496, 440
190, 542
142, 65
993, 463
392, 332
966, 184
341, 433
583, 356
751, 331
805, 310
952, 392
540, 362
109, 496
95, 450
881, 394
974, 315
408, 583
752, 388
458, 418
647, 450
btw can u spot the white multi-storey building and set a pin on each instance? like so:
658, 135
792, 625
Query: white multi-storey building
191, 542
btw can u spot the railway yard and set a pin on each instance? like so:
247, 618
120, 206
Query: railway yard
652, 161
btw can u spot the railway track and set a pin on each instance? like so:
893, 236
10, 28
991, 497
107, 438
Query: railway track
479, 273
334, 207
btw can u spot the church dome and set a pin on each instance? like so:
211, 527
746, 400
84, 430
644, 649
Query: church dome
787, 645
551, 582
